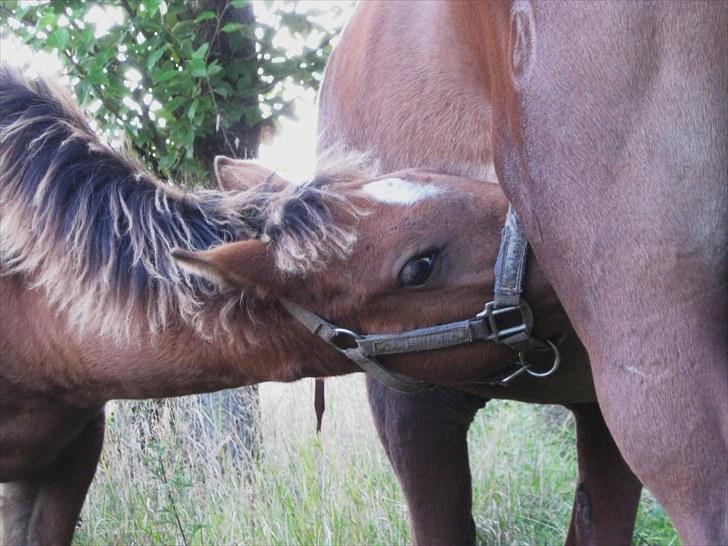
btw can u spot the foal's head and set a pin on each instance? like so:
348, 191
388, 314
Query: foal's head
405, 250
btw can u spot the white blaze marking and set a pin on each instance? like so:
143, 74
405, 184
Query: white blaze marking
400, 192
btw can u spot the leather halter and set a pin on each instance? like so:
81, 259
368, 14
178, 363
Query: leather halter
510, 270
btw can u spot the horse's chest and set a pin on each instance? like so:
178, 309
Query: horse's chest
34, 431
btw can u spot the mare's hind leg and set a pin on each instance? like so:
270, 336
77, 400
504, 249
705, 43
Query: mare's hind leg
425, 438
62, 490
607, 495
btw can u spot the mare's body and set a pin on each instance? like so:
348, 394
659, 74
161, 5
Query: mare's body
609, 134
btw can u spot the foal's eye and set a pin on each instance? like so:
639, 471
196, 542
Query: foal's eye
418, 270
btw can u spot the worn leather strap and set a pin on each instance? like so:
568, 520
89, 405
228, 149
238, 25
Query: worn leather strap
329, 333
313, 323
510, 273
510, 266
319, 402
426, 339
363, 349
391, 379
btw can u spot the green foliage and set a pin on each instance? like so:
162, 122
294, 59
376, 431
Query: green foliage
183, 80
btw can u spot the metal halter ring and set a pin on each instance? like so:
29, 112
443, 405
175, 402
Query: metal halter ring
554, 366
344, 339
525, 367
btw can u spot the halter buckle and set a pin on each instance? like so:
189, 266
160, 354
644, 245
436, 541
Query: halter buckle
509, 332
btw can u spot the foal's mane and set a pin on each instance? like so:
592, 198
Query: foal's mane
94, 229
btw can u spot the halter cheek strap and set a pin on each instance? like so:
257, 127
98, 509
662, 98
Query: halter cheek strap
510, 273
510, 266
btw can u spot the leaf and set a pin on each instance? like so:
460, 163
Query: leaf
205, 16
232, 27
152, 6
12, 5
47, 20
197, 68
182, 28
103, 56
58, 39
166, 162
193, 109
252, 115
201, 51
85, 41
154, 57
166, 75
297, 23
96, 76
213, 69
239, 4
83, 92
175, 103
223, 88
243, 83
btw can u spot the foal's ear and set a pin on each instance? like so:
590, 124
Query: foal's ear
240, 175
243, 264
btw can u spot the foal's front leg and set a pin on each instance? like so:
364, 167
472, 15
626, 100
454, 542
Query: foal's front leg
425, 437
59, 495
608, 493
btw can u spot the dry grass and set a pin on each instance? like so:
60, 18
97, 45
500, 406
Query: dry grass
182, 477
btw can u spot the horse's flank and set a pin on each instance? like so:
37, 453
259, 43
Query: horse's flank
621, 188
450, 124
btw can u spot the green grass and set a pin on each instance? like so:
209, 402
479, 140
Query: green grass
170, 481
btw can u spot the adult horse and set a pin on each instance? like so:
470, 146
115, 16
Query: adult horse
608, 132
624, 197
445, 124
97, 302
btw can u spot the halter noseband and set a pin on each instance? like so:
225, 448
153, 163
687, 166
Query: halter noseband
510, 271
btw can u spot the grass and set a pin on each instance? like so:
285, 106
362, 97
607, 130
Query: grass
182, 476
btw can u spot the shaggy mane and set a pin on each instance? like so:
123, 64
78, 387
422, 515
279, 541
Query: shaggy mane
94, 229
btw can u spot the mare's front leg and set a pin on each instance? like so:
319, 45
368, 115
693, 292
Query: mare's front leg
16, 507
425, 438
52, 503
608, 493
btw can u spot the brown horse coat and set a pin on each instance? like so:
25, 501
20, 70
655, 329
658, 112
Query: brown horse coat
610, 139
609, 135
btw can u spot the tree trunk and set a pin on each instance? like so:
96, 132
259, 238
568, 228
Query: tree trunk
240, 139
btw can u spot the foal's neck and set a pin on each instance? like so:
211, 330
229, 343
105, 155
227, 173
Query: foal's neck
178, 361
